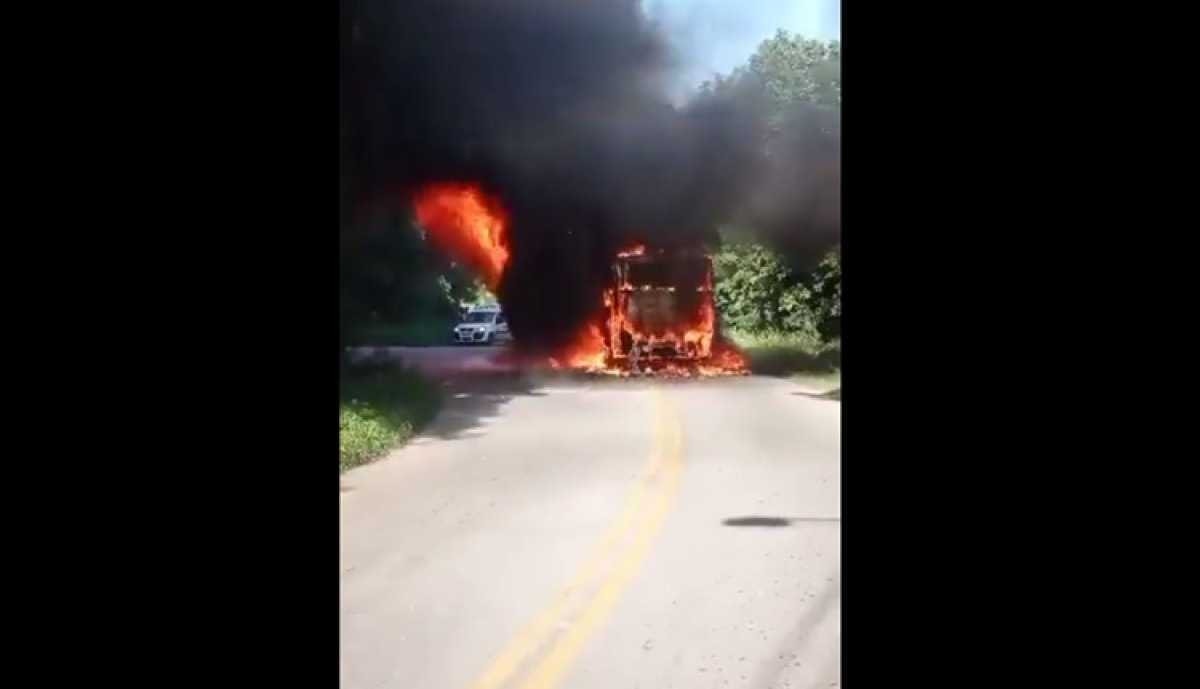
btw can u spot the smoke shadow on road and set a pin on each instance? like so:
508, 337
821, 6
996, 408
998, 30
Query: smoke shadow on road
471, 400
775, 521
835, 395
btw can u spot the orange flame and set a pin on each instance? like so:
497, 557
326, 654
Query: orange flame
586, 352
467, 224
727, 361
692, 346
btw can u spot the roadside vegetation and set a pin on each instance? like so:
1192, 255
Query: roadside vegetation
786, 321
429, 332
814, 364
396, 290
381, 408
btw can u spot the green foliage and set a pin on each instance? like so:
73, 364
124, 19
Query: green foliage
477, 293
797, 80
381, 408
391, 276
412, 333
793, 69
751, 286
799, 357
365, 434
774, 339
757, 293
826, 283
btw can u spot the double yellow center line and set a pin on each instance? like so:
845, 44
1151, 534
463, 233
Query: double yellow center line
541, 653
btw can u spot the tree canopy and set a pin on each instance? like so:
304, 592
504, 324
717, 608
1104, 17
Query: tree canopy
799, 81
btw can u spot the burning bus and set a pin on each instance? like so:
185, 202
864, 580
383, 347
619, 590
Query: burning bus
658, 312
660, 308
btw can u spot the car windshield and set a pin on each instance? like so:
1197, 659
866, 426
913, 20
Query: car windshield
479, 317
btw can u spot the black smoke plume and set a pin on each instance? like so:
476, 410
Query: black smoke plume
558, 107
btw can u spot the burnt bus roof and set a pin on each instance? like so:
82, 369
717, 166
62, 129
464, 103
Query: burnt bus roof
660, 255
665, 269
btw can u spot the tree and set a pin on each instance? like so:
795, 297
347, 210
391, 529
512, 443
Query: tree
756, 292
793, 69
798, 83
826, 283
390, 274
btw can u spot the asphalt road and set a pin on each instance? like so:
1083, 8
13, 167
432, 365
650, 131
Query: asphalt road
438, 361
598, 534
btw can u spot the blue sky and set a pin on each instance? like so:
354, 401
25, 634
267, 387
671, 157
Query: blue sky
718, 35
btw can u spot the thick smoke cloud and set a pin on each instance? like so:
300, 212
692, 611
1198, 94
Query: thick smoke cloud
559, 108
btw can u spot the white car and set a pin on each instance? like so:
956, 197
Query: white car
482, 324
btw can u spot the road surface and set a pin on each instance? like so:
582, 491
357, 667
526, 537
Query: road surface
599, 534
443, 360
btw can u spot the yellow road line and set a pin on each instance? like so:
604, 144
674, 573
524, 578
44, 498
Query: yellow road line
557, 661
534, 634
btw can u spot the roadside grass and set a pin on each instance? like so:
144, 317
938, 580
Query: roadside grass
427, 333
381, 408
805, 360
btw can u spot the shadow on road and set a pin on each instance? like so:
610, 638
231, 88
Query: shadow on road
775, 521
757, 521
835, 395
788, 648
470, 400
786, 361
